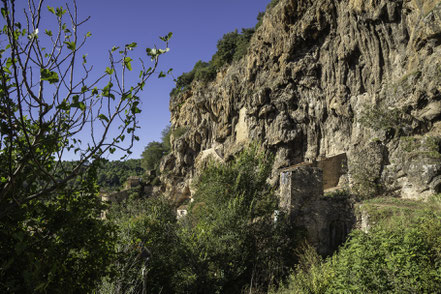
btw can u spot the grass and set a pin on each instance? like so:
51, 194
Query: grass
388, 210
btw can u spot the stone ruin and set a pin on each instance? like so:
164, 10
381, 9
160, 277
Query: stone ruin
327, 219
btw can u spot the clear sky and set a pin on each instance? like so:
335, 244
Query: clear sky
196, 27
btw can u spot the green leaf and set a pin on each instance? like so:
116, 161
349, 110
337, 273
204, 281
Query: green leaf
95, 91
151, 52
9, 62
51, 9
127, 63
79, 105
63, 105
135, 108
89, 34
70, 45
49, 33
162, 75
131, 45
167, 37
106, 90
103, 117
60, 12
84, 89
50, 76
109, 70
84, 59
4, 12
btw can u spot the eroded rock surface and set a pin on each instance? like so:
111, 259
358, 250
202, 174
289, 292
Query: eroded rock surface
322, 78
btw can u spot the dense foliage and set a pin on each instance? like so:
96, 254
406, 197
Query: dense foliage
154, 152
57, 242
401, 258
228, 242
113, 174
147, 235
52, 103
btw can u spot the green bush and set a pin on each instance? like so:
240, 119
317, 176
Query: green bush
147, 236
227, 242
202, 71
154, 151
152, 154
380, 117
57, 243
403, 258
230, 229
113, 174
232, 47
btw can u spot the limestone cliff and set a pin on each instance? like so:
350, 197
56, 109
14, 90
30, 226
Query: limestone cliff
322, 78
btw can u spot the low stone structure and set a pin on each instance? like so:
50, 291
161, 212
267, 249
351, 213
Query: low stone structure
133, 182
115, 197
327, 219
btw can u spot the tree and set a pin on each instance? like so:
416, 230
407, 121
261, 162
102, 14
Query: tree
50, 106
146, 225
165, 138
154, 151
226, 47
227, 242
229, 229
152, 154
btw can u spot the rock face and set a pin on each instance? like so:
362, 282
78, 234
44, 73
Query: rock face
322, 78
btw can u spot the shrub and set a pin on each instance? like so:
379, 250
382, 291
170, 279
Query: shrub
152, 154
202, 71
382, 118
230, 229
154, 151
403, 258
232, 47
147, 236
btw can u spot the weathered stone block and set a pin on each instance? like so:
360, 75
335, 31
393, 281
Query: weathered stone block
299, 185
333, 168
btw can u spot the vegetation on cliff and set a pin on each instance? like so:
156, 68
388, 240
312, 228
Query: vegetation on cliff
232, 47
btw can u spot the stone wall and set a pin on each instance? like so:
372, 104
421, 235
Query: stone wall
327, 219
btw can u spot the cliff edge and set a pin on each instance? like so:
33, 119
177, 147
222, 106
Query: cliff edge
323, 78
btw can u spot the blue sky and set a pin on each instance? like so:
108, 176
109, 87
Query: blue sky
196, 27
